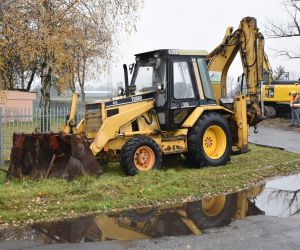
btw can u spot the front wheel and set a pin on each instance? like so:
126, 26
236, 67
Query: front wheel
209, 141
140, 154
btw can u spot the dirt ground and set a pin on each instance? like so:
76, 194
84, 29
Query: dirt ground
278, 123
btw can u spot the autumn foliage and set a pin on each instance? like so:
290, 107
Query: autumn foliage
59, 41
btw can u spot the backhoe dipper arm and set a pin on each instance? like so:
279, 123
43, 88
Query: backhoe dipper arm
267, 69
249, 42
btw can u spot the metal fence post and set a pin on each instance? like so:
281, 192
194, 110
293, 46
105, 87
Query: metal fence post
22, 120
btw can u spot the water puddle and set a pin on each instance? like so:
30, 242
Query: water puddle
279, 197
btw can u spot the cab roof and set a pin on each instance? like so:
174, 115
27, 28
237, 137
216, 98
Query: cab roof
173, 52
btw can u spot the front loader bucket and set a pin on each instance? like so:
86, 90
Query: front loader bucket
44, 155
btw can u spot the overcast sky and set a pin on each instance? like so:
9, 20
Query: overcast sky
196, 24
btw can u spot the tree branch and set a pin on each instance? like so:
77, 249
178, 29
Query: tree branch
290, 55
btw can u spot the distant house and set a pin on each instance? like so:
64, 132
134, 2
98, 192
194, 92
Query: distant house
64, 100
90, 95
16, 103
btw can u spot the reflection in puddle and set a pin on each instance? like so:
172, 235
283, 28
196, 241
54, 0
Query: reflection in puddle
278, 197
281, 197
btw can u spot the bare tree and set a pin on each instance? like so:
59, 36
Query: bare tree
230, 86
291, 28
280, 73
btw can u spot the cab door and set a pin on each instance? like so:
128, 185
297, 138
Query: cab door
183, 94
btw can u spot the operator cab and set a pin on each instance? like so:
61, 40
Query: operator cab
178, 80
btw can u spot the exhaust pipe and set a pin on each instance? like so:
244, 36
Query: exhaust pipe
126, 80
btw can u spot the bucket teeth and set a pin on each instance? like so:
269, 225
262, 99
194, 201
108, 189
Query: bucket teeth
43, 155
82, 161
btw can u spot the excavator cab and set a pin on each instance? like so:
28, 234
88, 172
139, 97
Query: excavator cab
179, 80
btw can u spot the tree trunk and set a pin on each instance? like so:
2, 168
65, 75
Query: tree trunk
45, 96
31, 79
11, 80
72, 83
82, 95
22, 80
81, 79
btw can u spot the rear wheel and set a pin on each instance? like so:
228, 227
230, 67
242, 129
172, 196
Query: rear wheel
140, 154
209, 141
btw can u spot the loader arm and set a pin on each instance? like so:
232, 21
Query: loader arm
249, 42
112, 125
70, 124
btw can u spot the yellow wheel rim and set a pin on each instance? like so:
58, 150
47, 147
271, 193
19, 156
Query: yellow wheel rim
212, 206
214, 142
144, 158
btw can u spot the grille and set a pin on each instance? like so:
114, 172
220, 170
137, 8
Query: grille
93, 119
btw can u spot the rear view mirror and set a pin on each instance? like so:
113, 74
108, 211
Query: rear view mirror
160, 86
120, 91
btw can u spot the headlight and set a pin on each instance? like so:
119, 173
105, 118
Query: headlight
120, 91
160, 86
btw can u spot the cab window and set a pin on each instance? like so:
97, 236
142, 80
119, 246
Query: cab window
183, 88
144, 77
205, 79
149, 74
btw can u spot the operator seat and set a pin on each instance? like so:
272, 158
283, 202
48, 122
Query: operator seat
182, 91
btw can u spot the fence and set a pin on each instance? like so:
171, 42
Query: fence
21, 120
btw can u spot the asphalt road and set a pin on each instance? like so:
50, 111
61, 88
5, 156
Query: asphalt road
289, 140
254, 232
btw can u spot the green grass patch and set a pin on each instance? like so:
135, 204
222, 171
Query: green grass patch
27, 200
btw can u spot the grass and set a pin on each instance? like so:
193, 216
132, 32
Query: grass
27, 200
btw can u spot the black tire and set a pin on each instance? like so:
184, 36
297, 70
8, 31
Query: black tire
131, 147
198, 215
196, 154
269, 112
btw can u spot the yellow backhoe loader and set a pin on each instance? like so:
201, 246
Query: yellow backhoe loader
168, 108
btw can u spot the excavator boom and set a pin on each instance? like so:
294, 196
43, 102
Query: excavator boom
249, 42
